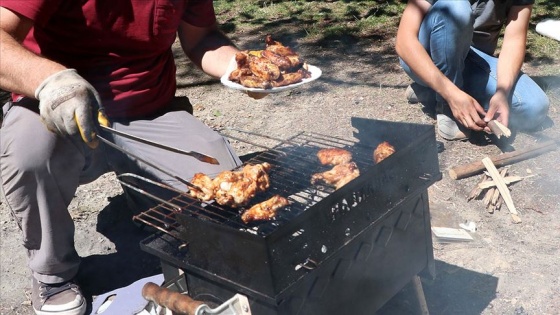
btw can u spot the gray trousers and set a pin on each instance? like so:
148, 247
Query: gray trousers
40, 172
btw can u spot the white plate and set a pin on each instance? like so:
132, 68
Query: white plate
315, 74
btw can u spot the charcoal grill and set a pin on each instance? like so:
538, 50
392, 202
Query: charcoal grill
345, 251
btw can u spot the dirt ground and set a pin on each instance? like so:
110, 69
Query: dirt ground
507, 269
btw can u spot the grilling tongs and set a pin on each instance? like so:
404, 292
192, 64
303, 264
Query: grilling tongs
104, 124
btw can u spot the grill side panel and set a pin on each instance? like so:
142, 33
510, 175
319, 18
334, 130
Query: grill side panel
360, 278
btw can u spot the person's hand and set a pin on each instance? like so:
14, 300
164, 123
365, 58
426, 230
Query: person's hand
498, 109
467, 111
66, 103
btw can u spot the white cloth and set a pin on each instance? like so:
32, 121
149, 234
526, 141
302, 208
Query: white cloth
550, 28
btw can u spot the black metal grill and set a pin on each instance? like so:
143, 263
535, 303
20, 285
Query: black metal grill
374, 232
293, 163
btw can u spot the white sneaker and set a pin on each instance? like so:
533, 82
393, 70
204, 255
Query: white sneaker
449, 130
57, 299
447, 126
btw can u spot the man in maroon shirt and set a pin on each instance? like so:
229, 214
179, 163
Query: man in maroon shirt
65, 59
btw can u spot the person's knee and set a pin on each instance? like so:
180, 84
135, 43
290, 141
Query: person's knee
457, 14
532, 113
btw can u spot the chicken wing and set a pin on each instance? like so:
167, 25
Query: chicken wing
265, 210
338, 176
237, 188
334, 156
264, 68
206, 191
382, 151
259, 174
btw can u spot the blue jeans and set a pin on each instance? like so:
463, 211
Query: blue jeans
446, 34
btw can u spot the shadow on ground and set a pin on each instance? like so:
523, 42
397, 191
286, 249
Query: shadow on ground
454, 290
103, 273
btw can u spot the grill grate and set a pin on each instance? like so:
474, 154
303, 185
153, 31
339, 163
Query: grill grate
293, 162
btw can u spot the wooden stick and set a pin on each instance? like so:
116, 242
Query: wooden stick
462, 171
496, 195
488, 196
508, 180
502, 187
498, 129
476, 191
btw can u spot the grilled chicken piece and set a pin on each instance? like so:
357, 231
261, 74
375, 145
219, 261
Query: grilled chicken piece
265, 210
338, 176
252, 81
264, 68
236, 189
259, 174
334, 156
277, 47
282, 62
383, 150
287, 79
206, 191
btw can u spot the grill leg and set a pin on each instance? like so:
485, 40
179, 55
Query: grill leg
417, 285
174, 277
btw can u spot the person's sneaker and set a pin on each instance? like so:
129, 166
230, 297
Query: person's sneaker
57, 299
416, 93
447, 126
410, 95
449, 130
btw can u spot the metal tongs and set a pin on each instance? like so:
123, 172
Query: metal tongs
197, 155
105, 125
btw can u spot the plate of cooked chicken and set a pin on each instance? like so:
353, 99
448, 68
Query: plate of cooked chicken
273, 69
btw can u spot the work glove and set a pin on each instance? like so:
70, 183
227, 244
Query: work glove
66, 103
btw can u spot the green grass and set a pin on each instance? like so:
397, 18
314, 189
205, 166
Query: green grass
331, 19
317, 19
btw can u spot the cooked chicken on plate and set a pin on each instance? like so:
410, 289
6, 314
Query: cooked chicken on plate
275, 66
265, 210
334, 156
383, 150
338, 176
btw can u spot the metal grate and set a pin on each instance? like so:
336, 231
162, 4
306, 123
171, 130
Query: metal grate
293, 163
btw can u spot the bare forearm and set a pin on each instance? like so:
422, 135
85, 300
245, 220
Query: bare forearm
513, 49
21, 71
209, 49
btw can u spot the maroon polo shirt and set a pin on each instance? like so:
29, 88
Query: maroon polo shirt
123, 48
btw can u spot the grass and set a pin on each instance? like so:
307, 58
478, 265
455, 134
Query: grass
318, 19
358, 19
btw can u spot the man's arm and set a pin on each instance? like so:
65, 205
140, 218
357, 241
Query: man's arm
207, 47
21, 71
510, 61
465, 108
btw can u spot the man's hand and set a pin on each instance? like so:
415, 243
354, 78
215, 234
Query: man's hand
467, 111
66, 103
498, 109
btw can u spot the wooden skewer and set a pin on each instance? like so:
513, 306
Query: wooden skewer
502, 187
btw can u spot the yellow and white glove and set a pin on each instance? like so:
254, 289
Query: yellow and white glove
66, 101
